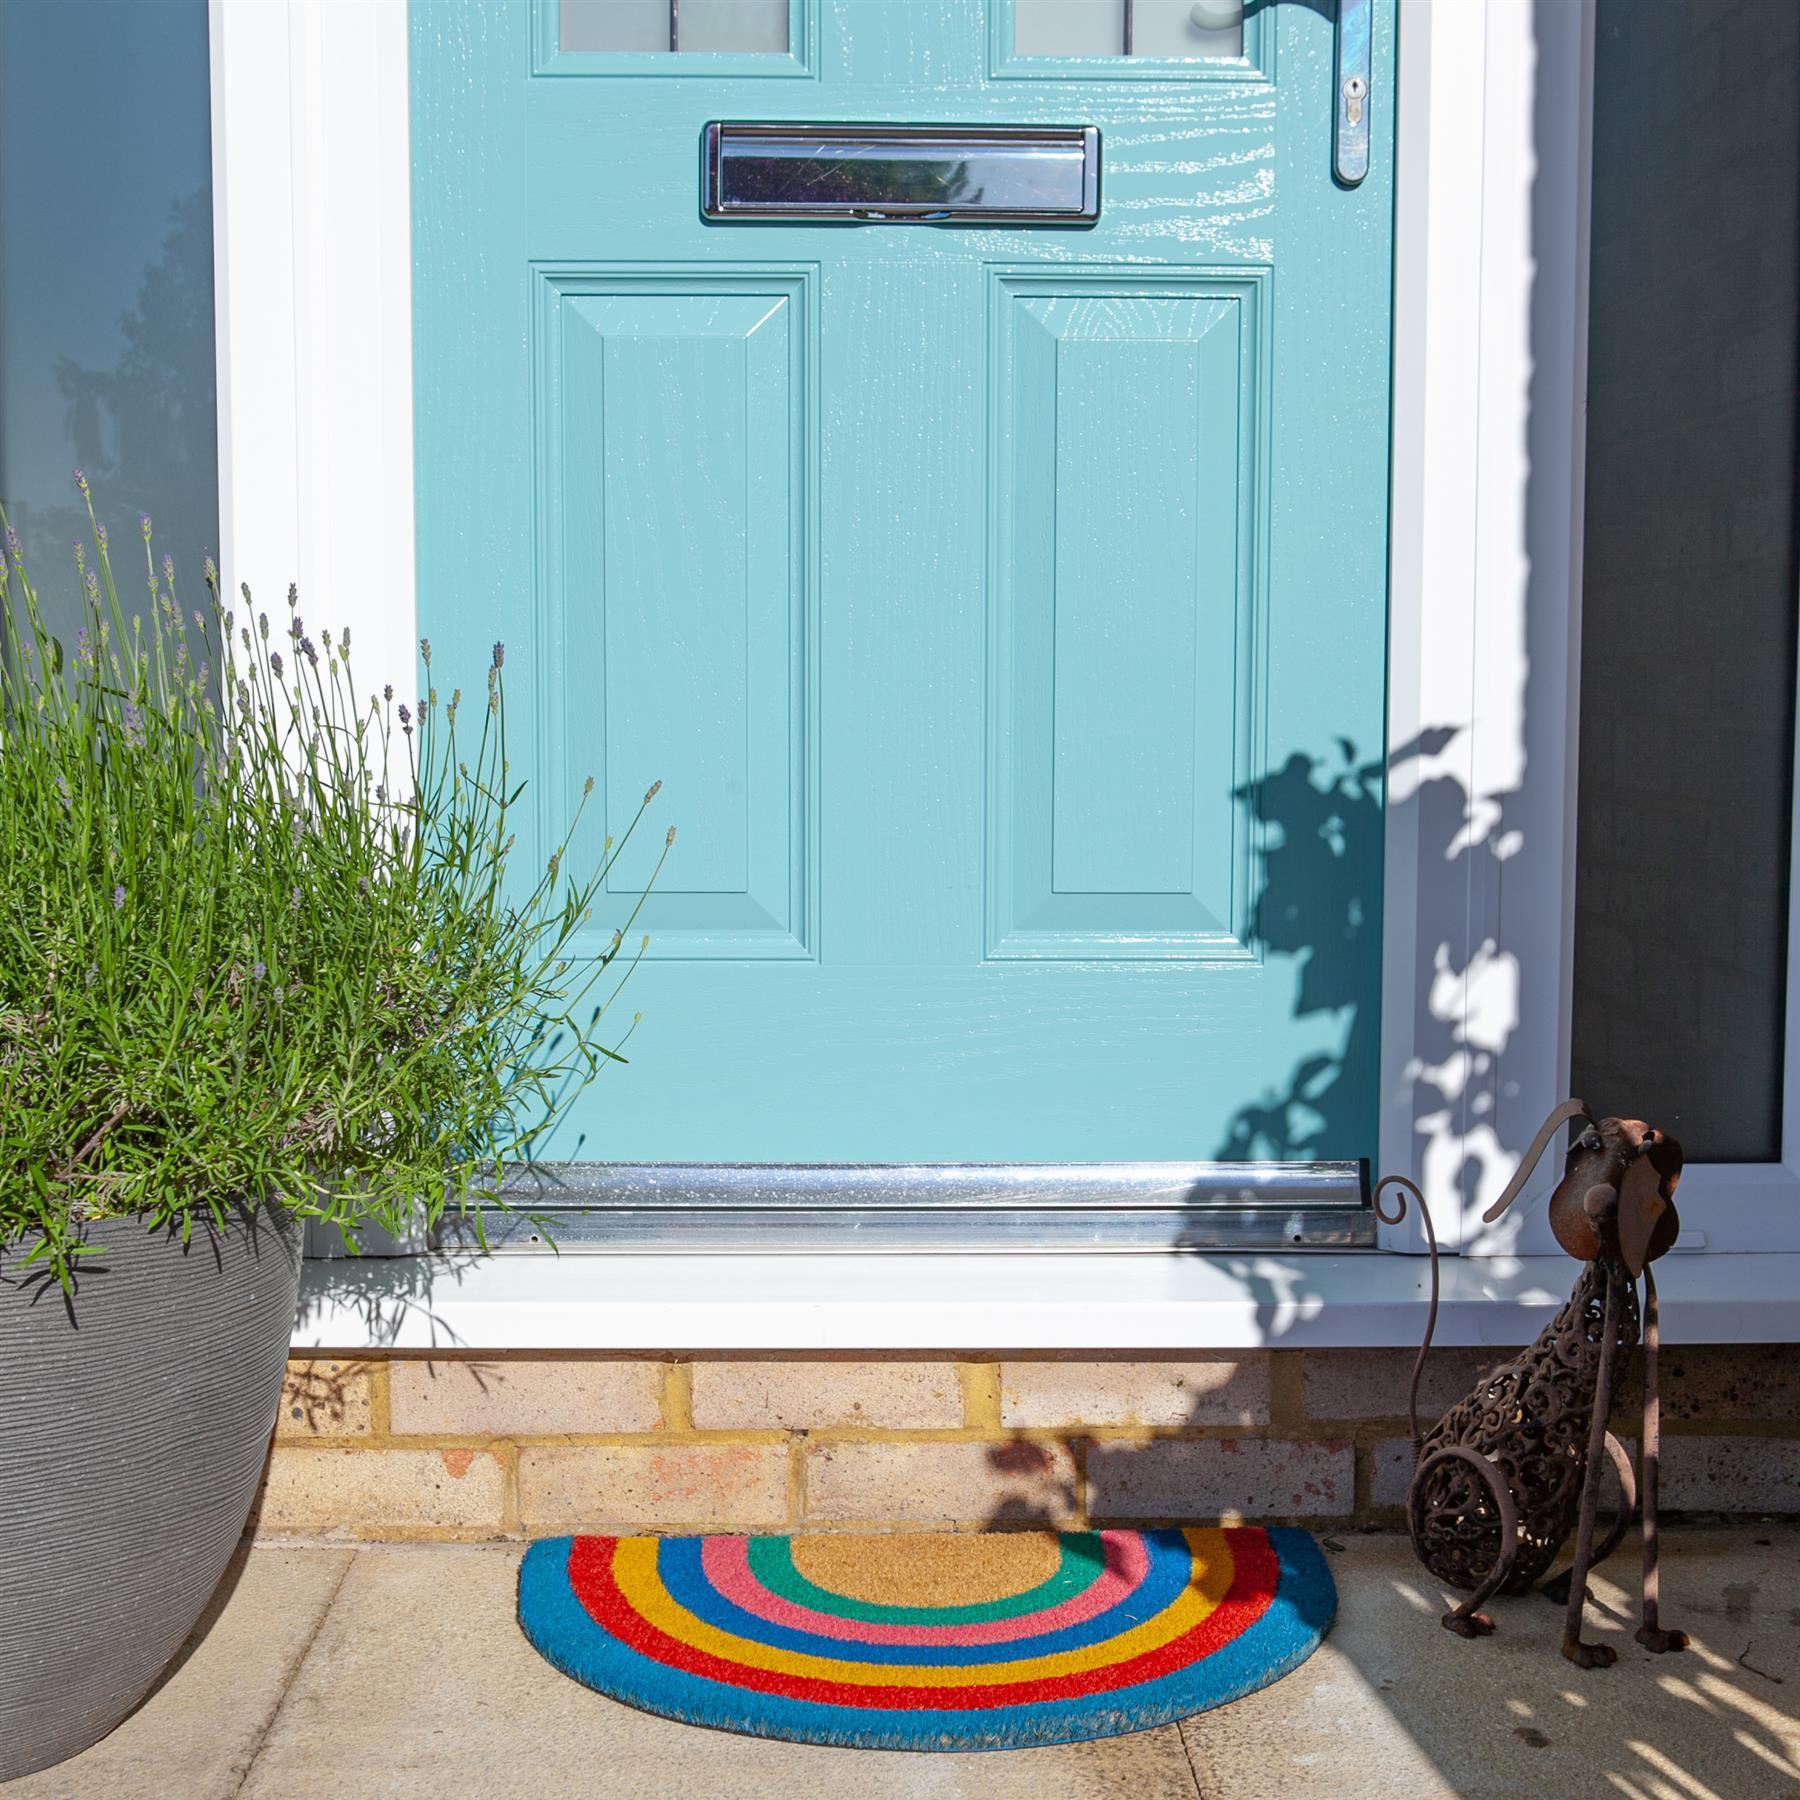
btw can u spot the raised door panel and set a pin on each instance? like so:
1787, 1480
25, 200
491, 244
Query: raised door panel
673, 494
1125, 483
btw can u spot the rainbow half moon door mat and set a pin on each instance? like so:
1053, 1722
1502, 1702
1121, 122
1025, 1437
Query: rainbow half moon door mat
991, 1640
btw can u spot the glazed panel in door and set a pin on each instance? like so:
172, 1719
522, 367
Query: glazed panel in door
1002, 606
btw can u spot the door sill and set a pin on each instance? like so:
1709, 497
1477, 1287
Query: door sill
1104, 1305
858, 1208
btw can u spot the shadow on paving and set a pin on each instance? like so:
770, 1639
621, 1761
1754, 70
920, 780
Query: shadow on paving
1392, 1704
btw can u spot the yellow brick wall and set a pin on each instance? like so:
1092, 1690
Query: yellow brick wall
517, 1446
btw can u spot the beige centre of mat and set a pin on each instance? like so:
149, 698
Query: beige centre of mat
929, 1568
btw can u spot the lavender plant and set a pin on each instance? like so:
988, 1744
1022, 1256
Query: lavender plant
261, 936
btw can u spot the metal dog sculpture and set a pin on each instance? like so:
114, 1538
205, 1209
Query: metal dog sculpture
1502, 1478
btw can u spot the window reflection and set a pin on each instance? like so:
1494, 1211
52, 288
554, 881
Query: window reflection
106, 278
741, 26
1179, 29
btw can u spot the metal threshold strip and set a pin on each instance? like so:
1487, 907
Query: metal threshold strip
858, 1208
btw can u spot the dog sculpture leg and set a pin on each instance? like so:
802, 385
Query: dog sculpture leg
1556, 1589
1651, 1633
1465, 1619
1593, 1656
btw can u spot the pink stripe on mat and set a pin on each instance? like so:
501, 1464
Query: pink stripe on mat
726, 1561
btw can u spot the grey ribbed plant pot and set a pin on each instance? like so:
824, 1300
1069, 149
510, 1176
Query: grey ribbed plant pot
133, 1427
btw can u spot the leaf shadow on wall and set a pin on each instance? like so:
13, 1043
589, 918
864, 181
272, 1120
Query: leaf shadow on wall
1316, 822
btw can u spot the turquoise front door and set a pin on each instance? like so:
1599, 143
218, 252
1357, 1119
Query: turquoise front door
1002, 606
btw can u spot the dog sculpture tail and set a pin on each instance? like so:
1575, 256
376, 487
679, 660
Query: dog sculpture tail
1449, 1460
1409, 1189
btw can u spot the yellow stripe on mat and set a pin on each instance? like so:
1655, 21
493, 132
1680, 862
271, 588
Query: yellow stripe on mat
634, 1570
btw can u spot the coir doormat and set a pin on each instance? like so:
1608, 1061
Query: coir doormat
979, 1641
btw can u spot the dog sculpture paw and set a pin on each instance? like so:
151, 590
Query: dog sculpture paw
1660, 1642
1591, 1656
1468, 1625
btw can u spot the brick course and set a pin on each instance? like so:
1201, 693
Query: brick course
942, 1483
1232, 1478
1218, 1390
383, 1492
812, 1395
655, 1486
510, 1399
326, 1399
517, 1446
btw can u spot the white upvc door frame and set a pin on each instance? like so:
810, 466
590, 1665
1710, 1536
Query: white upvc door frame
1490, 382
312, 209
312, 246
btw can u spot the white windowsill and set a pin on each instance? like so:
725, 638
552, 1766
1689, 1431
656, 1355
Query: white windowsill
1040, 1302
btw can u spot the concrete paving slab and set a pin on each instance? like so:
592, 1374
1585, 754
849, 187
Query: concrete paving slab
1394, 1705
420, 1680
404, 1671
195, 1735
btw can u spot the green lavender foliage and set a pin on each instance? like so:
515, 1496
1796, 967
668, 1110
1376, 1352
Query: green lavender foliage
260, 936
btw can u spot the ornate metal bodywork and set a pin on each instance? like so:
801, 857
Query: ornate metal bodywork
1504, 1477
1531, 1419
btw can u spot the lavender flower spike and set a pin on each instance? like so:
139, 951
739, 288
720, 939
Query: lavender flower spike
118, 899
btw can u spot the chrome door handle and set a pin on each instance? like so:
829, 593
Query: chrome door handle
1355, 65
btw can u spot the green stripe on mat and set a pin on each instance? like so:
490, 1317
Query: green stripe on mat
1083, 1562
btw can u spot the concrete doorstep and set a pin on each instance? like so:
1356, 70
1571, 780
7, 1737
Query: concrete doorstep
392, 1670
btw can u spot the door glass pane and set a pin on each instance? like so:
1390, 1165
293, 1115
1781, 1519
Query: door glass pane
106, 283
1069, 27
1159, 28
1691, 573
741, 25
717, 25
1187, 28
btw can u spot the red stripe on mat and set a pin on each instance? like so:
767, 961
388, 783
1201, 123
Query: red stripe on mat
1250, 1595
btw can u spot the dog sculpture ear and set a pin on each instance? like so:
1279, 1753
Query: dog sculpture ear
1570, 1109
1641, 1207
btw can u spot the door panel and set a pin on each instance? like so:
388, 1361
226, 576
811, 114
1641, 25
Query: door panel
965, 586
677, 479
1126, 490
